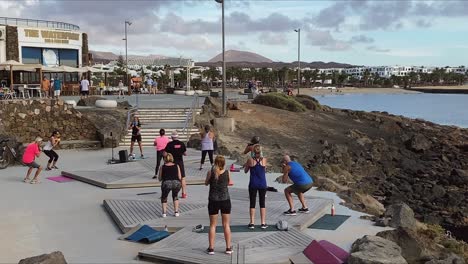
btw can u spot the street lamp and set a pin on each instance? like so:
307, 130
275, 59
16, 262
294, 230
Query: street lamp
224, 61
298, 58
126, 51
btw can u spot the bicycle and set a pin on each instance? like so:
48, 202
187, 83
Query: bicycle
7, 154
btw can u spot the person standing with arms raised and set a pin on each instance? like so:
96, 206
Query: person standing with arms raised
257, 167
178, 150
135, 126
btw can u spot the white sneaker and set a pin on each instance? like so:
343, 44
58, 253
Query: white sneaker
176, 214
164, 215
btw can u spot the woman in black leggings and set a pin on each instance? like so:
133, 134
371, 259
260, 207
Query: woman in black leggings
48, 150
257, 167
170, 177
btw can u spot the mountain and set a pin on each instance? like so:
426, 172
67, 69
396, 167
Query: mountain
105, 57
278, 65
240, 56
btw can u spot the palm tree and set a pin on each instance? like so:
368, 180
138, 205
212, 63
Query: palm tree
323, 77
342, 77
413, 78
307, 75
314, 76
366, 75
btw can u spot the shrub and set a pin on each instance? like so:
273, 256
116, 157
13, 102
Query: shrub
308, 101
280, 101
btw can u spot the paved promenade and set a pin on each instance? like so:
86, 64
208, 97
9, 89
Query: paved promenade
70, 217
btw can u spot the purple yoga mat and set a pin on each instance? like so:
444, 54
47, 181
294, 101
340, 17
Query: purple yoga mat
319, 255
335, 250
60, 179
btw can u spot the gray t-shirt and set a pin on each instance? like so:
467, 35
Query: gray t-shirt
219, 187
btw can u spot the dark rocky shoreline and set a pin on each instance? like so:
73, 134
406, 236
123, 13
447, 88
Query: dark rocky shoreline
420, 163
371, 159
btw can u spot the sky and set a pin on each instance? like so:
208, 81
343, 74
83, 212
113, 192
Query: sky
359, 32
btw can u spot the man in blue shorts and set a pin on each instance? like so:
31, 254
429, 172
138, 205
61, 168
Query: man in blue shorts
302, 182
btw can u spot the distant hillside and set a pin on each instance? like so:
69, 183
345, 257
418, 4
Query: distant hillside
105, 57
277, 65
240, 56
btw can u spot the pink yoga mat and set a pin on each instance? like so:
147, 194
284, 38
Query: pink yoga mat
319, 255
335, 250
60, 179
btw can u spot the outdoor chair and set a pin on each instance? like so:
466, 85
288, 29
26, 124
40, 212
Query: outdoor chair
23, 92
8, 94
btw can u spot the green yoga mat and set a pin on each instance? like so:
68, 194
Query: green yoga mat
329, 222
242, 228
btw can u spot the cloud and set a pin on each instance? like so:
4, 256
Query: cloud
237, 23
273, 39
423, 23
324, 40
332, 16
388, 15
376, 49
361, 39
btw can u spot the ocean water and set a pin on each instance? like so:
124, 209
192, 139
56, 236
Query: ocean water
444, 109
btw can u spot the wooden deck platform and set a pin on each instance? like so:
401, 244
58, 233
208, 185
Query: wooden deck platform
129, 213
136, 174
186, 246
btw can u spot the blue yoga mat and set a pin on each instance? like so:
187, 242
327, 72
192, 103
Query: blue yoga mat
147, 234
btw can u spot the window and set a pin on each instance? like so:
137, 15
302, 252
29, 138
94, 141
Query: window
31, 55
68, 57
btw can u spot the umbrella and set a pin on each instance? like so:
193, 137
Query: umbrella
8, 65
91, 69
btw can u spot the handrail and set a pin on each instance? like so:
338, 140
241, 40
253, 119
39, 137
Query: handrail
189, 117
38, 23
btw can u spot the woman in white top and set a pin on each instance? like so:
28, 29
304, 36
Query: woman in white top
207, 145
48, 150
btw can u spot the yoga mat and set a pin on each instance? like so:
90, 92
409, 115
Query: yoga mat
60, 179
319, 255
338, 252
241, 228
147, 234
329, 222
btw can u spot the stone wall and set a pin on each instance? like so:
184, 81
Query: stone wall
12, 50
27, 119
85, 50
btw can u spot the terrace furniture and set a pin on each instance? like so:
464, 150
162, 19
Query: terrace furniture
22, 90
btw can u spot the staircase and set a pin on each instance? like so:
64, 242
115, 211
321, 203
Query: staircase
171, 119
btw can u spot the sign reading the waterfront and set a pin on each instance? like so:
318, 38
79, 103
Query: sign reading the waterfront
51, 36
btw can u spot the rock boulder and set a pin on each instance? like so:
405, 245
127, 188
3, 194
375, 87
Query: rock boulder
375, 250
90, 101
411, 249
401, 215
52, 258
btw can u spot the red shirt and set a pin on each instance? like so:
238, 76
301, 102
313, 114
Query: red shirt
30, 153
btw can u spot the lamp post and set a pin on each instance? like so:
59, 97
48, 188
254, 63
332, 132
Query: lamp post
224, 61
126, 51
298, 58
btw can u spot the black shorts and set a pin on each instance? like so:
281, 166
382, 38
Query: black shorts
84, 92
298, 189
181, 167
136, 138
215, 206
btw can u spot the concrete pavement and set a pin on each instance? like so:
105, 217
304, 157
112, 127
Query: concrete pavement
69, 217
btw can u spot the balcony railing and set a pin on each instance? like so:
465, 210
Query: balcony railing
37, 23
